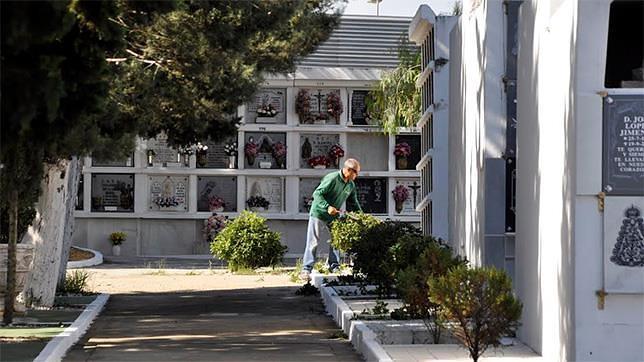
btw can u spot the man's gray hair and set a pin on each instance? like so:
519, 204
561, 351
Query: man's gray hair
352, 163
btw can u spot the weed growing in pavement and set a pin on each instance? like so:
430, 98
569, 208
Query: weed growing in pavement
76, 283
193, 272
245, 271
160, 266
294, 275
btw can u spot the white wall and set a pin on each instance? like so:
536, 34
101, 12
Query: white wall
615, 333
545, 174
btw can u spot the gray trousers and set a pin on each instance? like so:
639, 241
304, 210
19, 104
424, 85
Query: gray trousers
313, 234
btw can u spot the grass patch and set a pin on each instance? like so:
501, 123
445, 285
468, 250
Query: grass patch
160, 267
193, 272
28, 332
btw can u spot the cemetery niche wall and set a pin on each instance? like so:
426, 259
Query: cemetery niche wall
265, 194
268, 106
265, 150
319, 106
128, 162
320, 150
168, 193
211, 154
372, 194
372, 150
407, 151
307, 186
112, 192
159, 154
406, 195
358, 112
213, 190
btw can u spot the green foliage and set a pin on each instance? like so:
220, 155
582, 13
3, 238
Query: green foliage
247, 242
25, 217
395, 100
345, 231
411, 282
75, 282
117, 237
373, 253
480, 303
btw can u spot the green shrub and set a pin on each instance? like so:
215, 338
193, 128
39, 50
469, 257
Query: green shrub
246, 242
408, 249
480, 303
411, 282
75, 283
117, 237
345, 231
373, 254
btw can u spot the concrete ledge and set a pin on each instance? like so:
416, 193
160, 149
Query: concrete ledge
56, 349
96, 260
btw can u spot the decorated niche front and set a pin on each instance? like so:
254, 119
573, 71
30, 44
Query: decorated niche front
372, 194
267, 106
307, 186
168, 193
624, 244
359, 114
217, 193
370, 149
265, 150
319, 106
407, 190
217, 154
407, 151
112, 192
270, 189
315, 147
161, 154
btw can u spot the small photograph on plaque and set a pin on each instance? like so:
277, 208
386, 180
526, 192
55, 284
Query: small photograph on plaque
265, 150
168, 193
265, 194
267, 107
307, 186
407, 151
112, 192
320, 150
358, 109
223, 154
406, 195
217, 193
319, 106
372, 194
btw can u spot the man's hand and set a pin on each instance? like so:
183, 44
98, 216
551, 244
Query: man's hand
332, 211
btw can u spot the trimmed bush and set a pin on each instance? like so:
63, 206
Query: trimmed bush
480, 304
247, 243
346, 230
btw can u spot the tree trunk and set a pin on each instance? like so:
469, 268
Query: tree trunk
73, 176
10, 293
46, 235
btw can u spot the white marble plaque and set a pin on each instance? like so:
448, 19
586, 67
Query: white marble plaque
275, 97
413, 188
270, 188
163, 154
168, 193
624, 244
312, 145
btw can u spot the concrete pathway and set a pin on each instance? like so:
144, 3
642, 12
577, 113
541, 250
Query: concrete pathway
265, 323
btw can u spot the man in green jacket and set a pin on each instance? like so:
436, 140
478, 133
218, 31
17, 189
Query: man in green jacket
334, 190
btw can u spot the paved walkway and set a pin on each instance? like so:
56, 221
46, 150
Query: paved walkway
265, 323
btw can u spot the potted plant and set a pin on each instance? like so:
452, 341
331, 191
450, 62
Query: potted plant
401, 194
216, 204
257, 203
212, 226
402, 151
335, 153
201, 152
279, 153
230, 149
117, 238
334, 105
303, 106
319, 162
250, 151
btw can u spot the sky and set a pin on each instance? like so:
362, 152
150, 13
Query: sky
397, 7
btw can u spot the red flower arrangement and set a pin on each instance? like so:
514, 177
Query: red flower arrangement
402, 149
303, 105
216, 202
401, 193
336, 151
279, 150
251, 149
334, 105
319, 161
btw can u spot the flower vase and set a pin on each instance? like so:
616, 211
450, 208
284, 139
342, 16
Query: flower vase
280, 161
232, 160
320, 167
257, 209
399, 206
186, 160
401, 163
116, 250
250, 160
202, 161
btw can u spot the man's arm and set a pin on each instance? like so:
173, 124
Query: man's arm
321, 190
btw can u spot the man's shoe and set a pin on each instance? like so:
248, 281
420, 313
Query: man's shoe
305, 275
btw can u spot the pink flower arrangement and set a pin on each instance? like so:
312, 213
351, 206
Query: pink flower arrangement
334, 105
401, 193
216, 202
319, 161
402, 149
251, 149
336, 151
213, 225
279, 150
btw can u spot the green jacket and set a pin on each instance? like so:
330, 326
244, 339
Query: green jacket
333, 191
